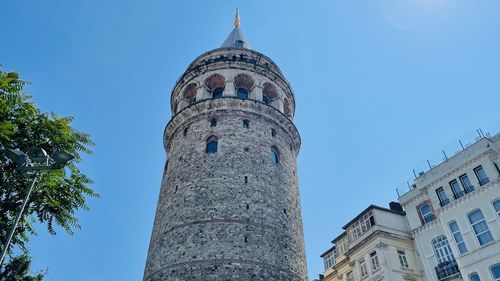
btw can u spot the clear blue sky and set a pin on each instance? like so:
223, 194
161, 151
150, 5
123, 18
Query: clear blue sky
379, 86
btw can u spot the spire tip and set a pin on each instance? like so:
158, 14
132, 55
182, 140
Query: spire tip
237, 18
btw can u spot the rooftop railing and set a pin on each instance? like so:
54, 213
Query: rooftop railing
447, 152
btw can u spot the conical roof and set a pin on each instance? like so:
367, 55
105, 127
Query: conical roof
235, 38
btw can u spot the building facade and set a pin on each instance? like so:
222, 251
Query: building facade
375, 245
229, 206
453, 212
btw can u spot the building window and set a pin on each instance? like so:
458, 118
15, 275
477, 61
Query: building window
457, 236
474, 277
468, 187
242, 93
496, 205
480, 227
273, 133
185, 131
362, 225
239, 44
349, 276
442, 250
402, 259
374, 261
363, 270
339, 248
275, 155
495, 272
457, 190
265, 99
212, 143
443, 200
217, 93
329, 260
481, 175
496, 167
246, 124
213, 122
426, 213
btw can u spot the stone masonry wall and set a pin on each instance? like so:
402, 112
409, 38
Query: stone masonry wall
233, 214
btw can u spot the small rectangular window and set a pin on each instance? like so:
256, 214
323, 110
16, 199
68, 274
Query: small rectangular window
457, 190
481, 175
468, 187
480, 227
457, 236
496, 205
374, 261
363, 270
443, 200
402, 259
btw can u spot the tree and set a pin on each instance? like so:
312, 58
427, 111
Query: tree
19, 270
58, 194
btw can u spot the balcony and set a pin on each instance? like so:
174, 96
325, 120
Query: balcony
484, 181
469, 189
447, 270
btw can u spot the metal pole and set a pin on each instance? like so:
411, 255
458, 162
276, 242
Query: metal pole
13, 229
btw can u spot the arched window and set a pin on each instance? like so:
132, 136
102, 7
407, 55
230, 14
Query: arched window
243, 84
212, 144
495, 272
215, 85
275, 155
269, 93
242, 93
474, 277
190, 93
217, 93
442, 250
246, 124
426, 212
213, 122
496, 205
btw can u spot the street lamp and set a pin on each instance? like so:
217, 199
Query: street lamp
25, 162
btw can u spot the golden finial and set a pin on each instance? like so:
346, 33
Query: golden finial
237, 18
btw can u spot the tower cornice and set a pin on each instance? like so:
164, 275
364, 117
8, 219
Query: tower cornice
236, 58
231, 103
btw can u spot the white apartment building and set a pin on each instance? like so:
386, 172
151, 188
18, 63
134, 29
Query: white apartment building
375, 245
453, 212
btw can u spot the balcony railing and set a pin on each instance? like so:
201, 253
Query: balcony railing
469, 189
484, 181
446, 269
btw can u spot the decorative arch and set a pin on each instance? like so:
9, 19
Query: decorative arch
269, 92
244, 81
216, 81
190, 93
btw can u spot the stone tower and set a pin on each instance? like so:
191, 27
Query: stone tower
229, 207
